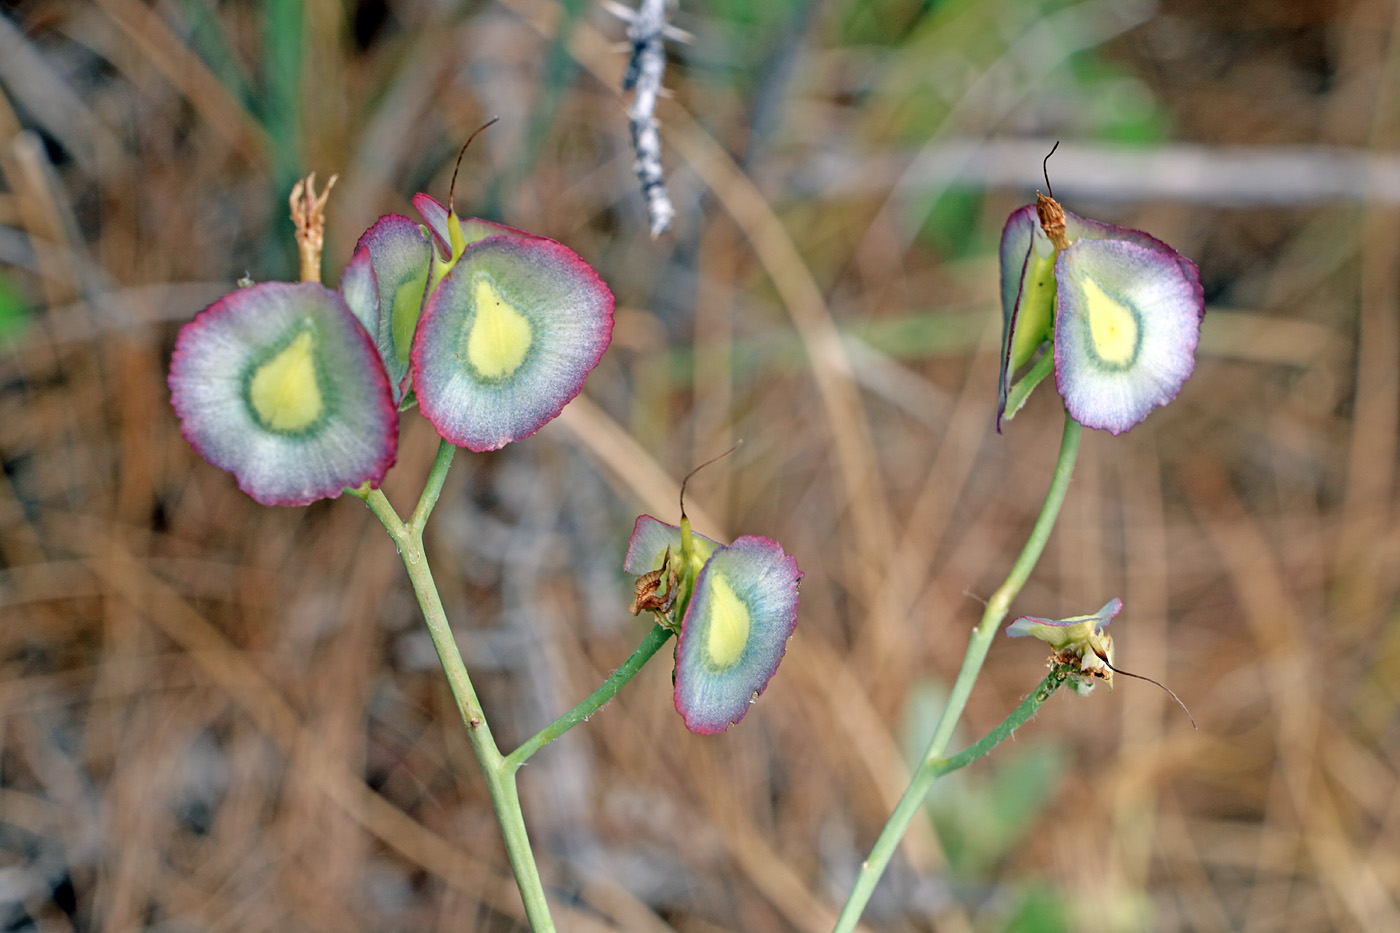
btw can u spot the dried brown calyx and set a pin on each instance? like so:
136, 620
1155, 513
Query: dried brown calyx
1052, 220
656, 590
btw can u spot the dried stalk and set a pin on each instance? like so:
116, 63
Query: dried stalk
646, 30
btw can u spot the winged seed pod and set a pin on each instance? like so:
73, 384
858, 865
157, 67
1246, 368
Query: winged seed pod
393, 256
512, 327
737, 606
280, 385
1122, 309
293, 388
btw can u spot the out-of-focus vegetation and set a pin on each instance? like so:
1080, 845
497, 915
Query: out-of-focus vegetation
215, 716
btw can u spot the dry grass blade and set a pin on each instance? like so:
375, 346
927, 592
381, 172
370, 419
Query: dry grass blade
162, 48
247, 687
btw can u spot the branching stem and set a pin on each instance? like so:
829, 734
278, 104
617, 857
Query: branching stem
934, 764
499, 770
500, 779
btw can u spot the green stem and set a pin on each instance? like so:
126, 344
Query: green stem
649, 646
981, 641
500, 778
433, 487
1019, 716
933, 769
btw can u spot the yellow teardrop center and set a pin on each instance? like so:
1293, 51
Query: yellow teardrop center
284, 391
728, 632
500, 336
1113, 328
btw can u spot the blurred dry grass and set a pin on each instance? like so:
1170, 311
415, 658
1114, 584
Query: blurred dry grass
215, 716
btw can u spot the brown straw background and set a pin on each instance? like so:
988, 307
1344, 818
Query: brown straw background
220, 717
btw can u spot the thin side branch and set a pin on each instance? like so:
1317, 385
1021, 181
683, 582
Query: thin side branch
646, 30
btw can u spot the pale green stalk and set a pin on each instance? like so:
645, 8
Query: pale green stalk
500, 779
499, 770
933, 764
649, 646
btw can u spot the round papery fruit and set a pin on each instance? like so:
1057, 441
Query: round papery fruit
734, 632
646, 551
1015, 245
1077, 227
400, 256
359, 286
1027, 291
507, 339
281, 386
1027, 278
1126, 326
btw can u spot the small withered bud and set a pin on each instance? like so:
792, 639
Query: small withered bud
1091, 661
309, 216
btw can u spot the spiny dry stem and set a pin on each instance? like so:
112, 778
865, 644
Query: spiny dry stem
309, 216
646, 29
